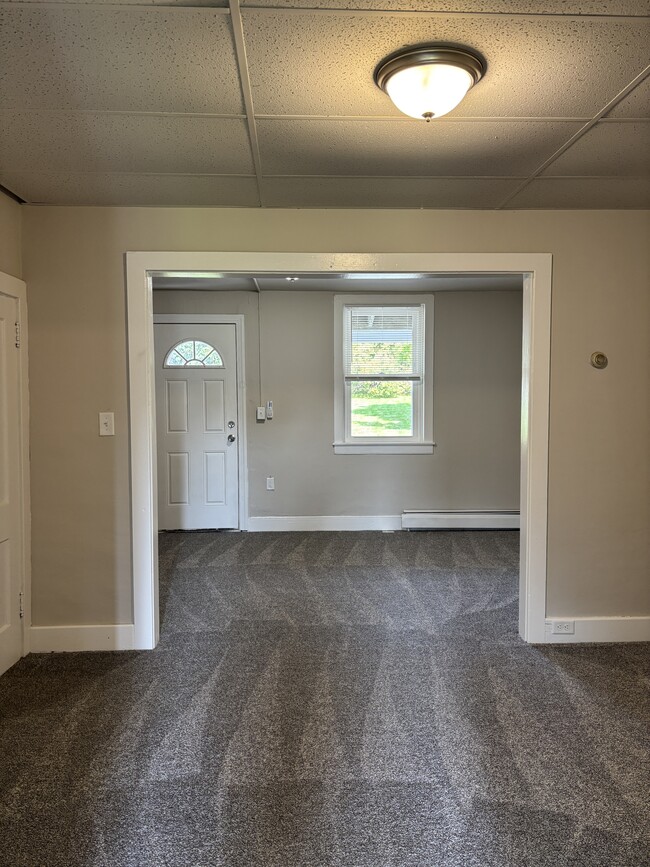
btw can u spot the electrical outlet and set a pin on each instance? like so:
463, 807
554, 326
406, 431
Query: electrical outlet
270, 483
563, 627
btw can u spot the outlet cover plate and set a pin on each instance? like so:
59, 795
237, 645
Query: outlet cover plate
563, 627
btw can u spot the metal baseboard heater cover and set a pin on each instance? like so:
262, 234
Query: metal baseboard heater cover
459, 520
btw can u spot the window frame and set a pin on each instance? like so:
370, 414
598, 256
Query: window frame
188, 362
422, 440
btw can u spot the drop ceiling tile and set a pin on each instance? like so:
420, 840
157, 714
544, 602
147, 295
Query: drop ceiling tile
637, 104
385, 192
610, 149
385, 147
521, 7
581, 193
120, 58
322, 64
143, 190
86, 142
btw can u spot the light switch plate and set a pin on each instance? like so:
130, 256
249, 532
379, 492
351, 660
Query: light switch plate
261, 413
106, 424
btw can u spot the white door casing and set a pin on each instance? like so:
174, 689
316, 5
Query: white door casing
197, 430
536, 326
13, 481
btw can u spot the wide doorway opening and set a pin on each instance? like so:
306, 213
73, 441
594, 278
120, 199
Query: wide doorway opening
404, 276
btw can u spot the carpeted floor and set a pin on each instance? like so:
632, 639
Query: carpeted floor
339, 699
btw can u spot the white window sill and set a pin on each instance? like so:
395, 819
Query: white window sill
383, 448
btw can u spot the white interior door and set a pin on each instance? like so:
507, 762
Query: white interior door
196, 412
11, 578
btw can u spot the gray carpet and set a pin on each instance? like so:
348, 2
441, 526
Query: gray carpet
340, 699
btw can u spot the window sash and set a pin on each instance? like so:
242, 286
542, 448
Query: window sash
416, 408
390, 312
412, 324
392, 329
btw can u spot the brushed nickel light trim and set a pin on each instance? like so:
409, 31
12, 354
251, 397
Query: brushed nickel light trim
429, 55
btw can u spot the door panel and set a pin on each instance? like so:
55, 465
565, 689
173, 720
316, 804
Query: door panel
10, 494
213, 397
215, 475
179, 478
177, 409
198, 472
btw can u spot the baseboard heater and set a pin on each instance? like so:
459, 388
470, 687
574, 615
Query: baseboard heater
431, 519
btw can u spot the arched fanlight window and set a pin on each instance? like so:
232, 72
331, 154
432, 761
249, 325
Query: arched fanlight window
193, 353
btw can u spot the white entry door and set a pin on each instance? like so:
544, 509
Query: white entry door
11, 558
196, 410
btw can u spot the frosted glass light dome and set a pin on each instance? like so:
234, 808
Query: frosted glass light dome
428, 82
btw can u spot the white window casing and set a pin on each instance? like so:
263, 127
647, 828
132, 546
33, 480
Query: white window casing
394, 318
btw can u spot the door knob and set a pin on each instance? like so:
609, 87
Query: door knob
231, 438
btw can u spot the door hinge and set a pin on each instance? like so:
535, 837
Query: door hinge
21, 604
17, 335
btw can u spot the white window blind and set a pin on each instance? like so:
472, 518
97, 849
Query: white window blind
383, 343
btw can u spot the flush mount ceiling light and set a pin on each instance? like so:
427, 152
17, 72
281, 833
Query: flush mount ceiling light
428, 81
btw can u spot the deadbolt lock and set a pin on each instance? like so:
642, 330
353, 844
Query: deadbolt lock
231, 424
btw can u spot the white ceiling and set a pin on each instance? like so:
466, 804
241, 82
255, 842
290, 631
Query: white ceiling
273, 104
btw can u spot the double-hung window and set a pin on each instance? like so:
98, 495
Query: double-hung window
383, 372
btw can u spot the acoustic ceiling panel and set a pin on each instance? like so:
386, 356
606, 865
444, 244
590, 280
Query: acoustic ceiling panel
117, 58
123, 102
315, 64
87, 142
637, 104
144, 190
379, 147
385, 192
578, 193
613, 149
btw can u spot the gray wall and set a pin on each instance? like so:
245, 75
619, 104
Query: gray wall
10, 237
599, 461
476, 390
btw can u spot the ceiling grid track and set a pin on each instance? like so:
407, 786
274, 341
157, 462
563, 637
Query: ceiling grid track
247, 93
166, 7
433, 13
610, 106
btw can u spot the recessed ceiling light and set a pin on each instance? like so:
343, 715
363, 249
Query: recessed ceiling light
429, 81
292, 279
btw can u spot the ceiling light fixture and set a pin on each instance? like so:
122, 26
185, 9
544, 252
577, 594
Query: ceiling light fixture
292, 279
429, 80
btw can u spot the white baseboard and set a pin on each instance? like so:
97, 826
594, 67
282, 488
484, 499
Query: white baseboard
600, 629
459, 520
277, 523
61, 639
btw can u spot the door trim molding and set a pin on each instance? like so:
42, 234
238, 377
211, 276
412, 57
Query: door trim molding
15, 288
238, 320
536, 333
70, 639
